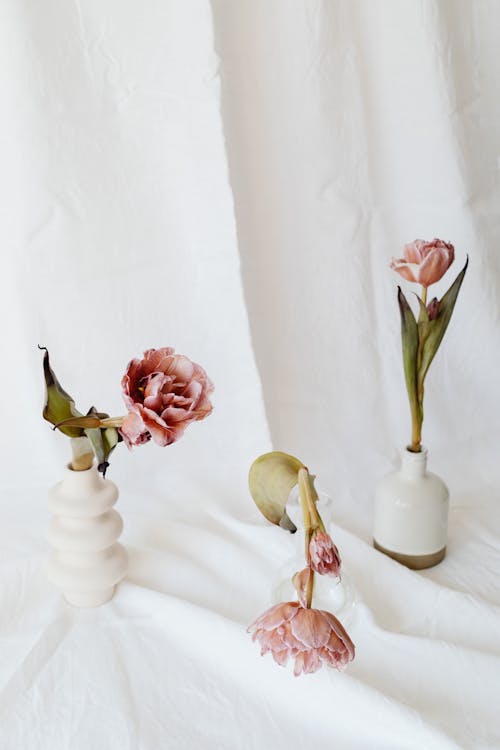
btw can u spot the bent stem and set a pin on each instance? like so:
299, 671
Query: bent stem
312, 521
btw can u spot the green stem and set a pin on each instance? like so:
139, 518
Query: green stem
417, 412
416, 434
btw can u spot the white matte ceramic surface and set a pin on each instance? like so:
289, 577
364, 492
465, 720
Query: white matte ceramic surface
411, 508
87, 561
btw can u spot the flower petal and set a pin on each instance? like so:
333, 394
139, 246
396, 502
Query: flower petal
413, 252
310, 628
434, 266
408, 271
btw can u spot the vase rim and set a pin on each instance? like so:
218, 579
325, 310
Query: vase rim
72, 471
413, 456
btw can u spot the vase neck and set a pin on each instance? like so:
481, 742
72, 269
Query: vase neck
85, 481
414, 465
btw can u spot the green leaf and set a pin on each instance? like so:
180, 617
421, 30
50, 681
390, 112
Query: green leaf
432, 331
59, 406
271, 479
409, 339
102, 440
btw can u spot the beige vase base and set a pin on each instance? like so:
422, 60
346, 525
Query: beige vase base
414, 562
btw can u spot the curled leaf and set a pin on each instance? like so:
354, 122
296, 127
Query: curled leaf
59, 407
83, 422
271, 479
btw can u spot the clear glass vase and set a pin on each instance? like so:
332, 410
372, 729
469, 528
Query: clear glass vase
332, 594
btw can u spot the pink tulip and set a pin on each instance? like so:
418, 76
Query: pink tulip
324, 555
164, 393
424, 262
310, 636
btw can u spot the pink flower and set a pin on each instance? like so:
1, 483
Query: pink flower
164, 392
324, 555
310, 636
424, 262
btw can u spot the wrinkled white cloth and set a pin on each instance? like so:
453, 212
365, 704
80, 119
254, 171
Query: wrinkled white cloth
231, 179
168, 663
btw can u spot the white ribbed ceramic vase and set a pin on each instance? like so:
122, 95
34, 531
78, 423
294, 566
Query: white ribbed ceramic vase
411, 514
87, 561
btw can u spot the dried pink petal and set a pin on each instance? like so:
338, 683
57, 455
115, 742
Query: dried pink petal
309, 636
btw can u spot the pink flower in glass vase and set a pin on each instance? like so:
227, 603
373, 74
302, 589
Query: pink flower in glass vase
424, 262
310, 636
164, 393
323, 555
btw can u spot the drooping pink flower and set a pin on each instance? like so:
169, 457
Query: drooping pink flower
424, 262
164, 393
324, 555
310, 636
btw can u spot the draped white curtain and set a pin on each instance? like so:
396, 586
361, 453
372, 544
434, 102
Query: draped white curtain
231, 178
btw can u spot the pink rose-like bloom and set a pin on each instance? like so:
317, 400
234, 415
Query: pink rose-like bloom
310, 636
424, 262
324, 555
164, 393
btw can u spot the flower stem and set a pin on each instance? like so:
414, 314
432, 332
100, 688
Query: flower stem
312, 521
416, 438
417, 414
83, 456
112, 422
306, 515
310, 589
306, 490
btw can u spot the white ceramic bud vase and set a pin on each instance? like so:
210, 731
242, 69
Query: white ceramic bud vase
411, 514
87, 561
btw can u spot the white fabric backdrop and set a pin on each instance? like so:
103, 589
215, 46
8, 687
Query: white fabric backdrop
231, 178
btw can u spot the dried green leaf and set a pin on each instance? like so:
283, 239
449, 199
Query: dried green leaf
432, 331
59, 406
271, 479
83, 422
409, 339
102, 440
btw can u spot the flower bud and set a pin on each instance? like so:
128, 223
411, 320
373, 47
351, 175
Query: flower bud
324, 555
433, 308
